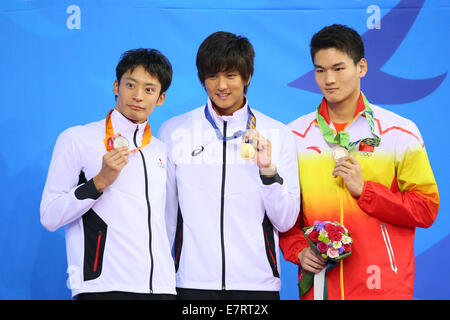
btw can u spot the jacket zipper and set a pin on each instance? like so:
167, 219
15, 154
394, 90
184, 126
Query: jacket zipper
222, 202
149, 213
387, 242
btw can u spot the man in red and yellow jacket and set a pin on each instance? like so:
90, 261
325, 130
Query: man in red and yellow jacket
364, 167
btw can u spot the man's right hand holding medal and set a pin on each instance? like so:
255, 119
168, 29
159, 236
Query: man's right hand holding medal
349, 169
112, 164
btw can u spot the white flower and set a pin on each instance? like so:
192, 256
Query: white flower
346, 239
337, 244
323, 233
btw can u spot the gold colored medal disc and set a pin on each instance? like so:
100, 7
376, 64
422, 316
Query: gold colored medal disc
246, 151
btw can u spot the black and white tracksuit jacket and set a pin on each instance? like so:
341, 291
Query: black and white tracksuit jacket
115, 240
222, 216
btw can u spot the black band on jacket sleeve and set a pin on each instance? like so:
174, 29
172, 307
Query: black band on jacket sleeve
269, 180
87, 191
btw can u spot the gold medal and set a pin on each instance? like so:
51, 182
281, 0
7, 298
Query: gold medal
339, 152
246, 151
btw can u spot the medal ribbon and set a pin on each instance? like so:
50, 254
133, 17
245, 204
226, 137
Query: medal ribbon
342, 138
251, 124
109, 135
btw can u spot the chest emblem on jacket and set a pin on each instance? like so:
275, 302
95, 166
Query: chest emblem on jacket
315, 148
366, 150
161, 163
197, 150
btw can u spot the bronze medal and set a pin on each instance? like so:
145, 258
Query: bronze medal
339, 152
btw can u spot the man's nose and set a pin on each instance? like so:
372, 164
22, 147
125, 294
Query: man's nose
222, 83
138, 94
329, 77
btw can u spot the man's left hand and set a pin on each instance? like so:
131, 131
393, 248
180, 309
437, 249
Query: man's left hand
263, 152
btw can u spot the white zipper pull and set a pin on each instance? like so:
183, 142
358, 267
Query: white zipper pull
387, 242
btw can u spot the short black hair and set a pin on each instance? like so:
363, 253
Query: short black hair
339, 37
153, 61
225, 51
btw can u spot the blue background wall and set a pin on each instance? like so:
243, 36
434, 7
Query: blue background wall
57, 69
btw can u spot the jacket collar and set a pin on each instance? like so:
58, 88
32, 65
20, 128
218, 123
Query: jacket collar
238, 118
357, 127
124, 126
323, 111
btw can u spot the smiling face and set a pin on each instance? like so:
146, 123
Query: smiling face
226, 91
337, 76
137, 94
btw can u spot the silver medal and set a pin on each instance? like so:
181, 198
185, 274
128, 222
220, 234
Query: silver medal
120, 141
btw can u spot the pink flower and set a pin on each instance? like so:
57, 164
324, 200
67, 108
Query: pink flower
333, 253
322, 247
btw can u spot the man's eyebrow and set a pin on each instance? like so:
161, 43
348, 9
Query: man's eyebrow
130, 78
147, 84
334, 65
339, 64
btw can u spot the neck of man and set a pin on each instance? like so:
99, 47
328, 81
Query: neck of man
344, 111
134, 121
228, 111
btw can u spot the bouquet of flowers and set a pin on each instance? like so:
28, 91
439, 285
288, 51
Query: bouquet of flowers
329, 239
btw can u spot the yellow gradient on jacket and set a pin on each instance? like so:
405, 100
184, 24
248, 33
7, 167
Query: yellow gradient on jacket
419, 171
324, 193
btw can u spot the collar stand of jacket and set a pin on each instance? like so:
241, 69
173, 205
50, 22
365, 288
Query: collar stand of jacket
124, 126
237, 120
323, 111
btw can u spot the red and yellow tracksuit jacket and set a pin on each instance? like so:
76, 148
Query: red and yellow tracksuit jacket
400, 194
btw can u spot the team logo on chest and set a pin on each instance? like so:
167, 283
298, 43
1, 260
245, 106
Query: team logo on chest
197, 150
161, 163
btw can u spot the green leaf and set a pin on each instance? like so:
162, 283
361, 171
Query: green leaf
306, 283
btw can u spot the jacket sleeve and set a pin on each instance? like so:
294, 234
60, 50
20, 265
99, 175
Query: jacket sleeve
171, 211
281, 193
413, 198
293, 241
63, 201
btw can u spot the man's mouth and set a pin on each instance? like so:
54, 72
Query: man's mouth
223, 95
136, 108
330, 90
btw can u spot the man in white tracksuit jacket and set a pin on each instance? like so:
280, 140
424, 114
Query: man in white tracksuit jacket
232, 183
111, 197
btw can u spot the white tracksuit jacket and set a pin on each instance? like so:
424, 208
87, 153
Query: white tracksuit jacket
223, 220
115, 240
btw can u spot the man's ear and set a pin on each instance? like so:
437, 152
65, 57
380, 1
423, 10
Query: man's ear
362, 67
116, 88
161, 99
248, 81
